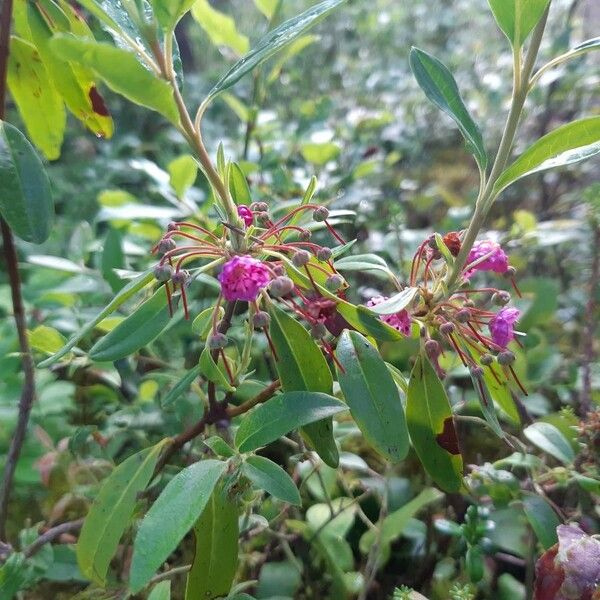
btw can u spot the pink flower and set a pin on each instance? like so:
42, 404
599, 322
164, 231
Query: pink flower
501, 326
400, 321
496, 260
246, 214
243, 277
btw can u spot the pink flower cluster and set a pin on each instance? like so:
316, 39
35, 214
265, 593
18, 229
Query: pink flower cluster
501, 326
496, 260
400, 321
243, 277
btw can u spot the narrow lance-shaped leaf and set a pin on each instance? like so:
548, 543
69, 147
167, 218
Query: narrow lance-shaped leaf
397, 302
36, 97
372, 395
282, 414
121, 71
132, 288
302, 366
26, 199
111, 512
431, 427
440, 87
216, 548
568, 144
517, 18
171, 517
270, 477
274, 41
141, 327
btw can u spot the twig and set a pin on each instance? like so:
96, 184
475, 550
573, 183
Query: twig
235, 411
52, 534
10, 254
170, 573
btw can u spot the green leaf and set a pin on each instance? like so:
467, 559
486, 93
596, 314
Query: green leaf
368, 323
549, 439
212, 371
219, 446
302, 366
14, 574
266, 7
396, 303
181, 387
566, 145
141, 327
202, 324
270, 477
219, 27
319, 153
501, 393
161, 591
38, 101
26, 200
542, 518
111, 512
74, 83
113, 257
431, 427
216, 556
440, 87
121, 71
132, 288
517, 18
274, 41
170, 518
169, 12
280, 415
394, 524
239, 186
45, 339
183, 171
372, 395
292, 50
362, 262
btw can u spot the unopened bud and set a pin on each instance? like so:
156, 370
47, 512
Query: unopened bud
166, 245
304, 235
334, 282
163, 272
476, 372
447, 328
261, 319
506, 358
318, 331
469, 303
259, 207
432, 348
217, 341
501, 298
463, 315
486, 360
181, 277
281, 286
172, 226
262, 217
278, 270
320, 214
324, 254
510, 272
300, 258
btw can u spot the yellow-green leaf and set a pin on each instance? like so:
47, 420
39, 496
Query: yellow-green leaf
219, 27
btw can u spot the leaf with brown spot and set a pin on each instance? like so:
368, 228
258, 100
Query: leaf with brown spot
431, 428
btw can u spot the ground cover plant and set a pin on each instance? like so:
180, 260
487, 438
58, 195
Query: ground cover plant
281, 324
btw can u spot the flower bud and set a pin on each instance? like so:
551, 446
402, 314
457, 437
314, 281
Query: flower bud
324, 254
181, 277
261, 319
447, 328
334, 282
217, 341
281, 286
506, 358
501, 298
172, 226
163, 272
300, 258
259, 207
486, 359
463, 315
304, 235
262, 217
476, 372
278, 270
165, 245
318, 331
510, 272
432, 348
320, 214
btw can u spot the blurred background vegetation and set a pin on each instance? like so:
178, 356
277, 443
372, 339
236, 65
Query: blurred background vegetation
346, 109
